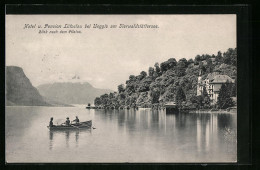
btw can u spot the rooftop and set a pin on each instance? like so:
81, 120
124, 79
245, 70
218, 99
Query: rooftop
222, 79
212, 75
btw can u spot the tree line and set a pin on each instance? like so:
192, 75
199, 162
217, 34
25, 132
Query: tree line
175, 81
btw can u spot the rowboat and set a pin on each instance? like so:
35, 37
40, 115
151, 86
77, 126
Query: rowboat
81, 125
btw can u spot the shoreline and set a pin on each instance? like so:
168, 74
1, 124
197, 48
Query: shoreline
220, 111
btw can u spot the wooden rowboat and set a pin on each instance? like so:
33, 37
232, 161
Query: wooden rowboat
81, 125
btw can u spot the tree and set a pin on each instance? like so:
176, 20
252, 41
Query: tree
97, 101
172, 63
234, 89
121, 88
183, 61
157, 69
111, 95
122, 96
180, 96
130, 87
190, 61
197, 100
230, 57
164, 66
151, 71
233, 57
202, 67
181, 67
207, 57
104, 99
219, 57
206, 101
155, 95
131, 77
197, 59
144, 85
143, 74
127, 101
133, 100
205, 97
193, 99
224, 97
210, 66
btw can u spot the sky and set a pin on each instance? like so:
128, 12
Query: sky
106, 57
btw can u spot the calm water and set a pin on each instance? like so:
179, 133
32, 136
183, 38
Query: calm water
120, 136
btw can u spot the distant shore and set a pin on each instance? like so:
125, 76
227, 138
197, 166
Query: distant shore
190, 110
64, 105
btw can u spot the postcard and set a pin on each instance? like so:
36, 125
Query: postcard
121, 88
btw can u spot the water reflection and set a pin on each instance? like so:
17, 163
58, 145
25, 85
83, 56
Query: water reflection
130, 135
145, 118
205, 130
51, 140
209, 129
142, 119
77, 137
199, 133
66, 133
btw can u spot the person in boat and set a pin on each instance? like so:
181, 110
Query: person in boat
67, 121
76, 120
51, 122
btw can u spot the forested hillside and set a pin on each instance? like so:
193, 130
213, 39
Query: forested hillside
170, 81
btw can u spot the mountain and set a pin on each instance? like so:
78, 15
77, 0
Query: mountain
56, 104
71, 93
19, 89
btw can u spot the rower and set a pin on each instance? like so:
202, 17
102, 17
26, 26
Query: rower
68, 121
51, 122
76, 120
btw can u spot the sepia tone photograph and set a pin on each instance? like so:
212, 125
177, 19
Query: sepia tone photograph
121, 88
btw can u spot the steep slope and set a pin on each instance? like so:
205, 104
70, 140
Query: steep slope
71, 93
19, 90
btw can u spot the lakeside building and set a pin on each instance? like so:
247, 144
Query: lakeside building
212, 84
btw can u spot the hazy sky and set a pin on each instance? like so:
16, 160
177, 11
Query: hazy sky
106, 57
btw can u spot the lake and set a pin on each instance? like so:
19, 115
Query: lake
120, 136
